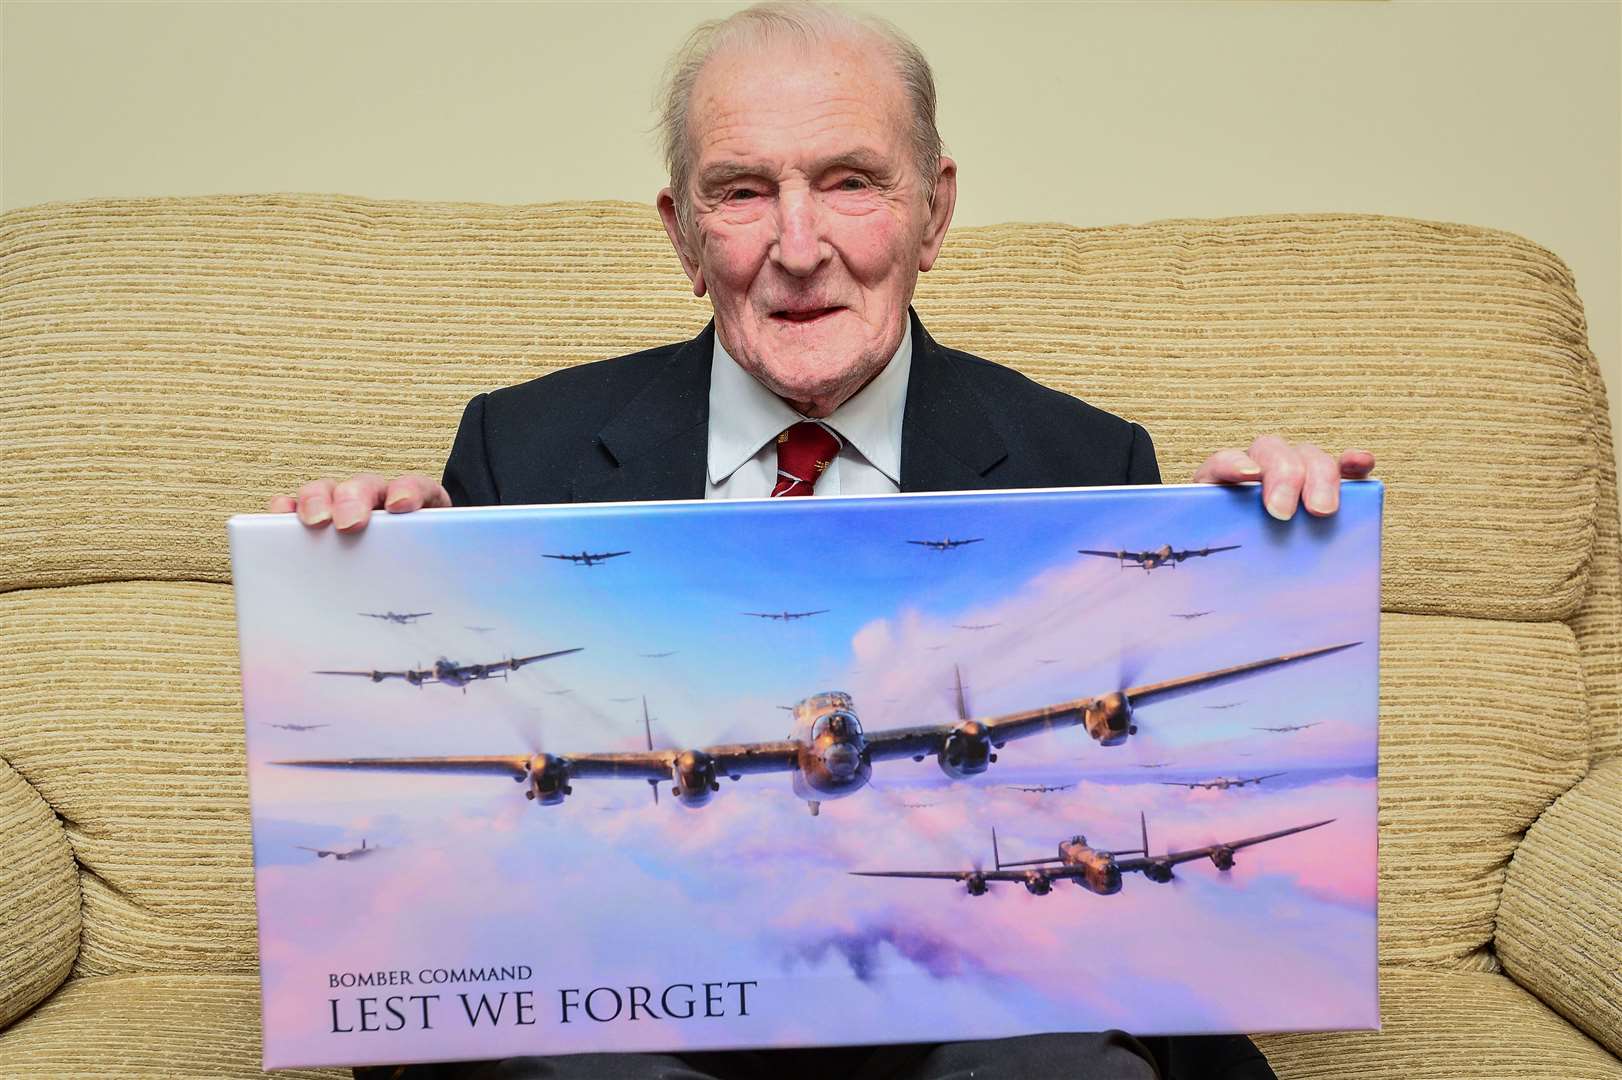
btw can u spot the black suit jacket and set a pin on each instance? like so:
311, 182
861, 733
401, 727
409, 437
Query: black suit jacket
637, 428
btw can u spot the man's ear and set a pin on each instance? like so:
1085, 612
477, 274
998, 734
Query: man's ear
940, 214
689, 263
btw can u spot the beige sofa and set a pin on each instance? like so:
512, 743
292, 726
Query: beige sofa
169, 362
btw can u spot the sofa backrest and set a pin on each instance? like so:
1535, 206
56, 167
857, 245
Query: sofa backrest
170, 362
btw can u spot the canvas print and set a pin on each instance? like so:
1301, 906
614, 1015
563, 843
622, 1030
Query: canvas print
679, 776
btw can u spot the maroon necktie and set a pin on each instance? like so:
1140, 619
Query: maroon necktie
803, 451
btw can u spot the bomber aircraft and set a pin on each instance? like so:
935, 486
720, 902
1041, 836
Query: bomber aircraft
1220, 783
450, 673
1289, 727
588, 558
784, 616
827, 754
395, 616
1188, 615
352, 853
976, 626
1039, 789
1164, 555
1094, 869
296, 727
657, 655
946, 544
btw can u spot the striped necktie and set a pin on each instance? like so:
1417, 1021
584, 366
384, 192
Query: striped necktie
803, 452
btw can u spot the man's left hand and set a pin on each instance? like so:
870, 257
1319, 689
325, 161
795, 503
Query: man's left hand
1290, 473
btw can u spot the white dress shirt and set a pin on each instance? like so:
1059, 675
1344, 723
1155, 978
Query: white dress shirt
746, 418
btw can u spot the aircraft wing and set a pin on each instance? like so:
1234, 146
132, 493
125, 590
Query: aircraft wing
1136, 556
1259, 779
1171, 688
519, 661
425, 676
609, 554
1182, 783
514, 765
1181, 555
928, 738
732, 759
1172, 858
962, 875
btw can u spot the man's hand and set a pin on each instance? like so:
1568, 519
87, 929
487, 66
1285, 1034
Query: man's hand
1289, 472
349, 503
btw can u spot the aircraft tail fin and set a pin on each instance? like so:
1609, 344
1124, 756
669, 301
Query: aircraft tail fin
961, 699
996, 856
1143, 821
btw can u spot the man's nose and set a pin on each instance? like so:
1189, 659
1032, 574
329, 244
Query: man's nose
801, 246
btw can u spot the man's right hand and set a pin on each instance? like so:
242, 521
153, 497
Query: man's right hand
348, 504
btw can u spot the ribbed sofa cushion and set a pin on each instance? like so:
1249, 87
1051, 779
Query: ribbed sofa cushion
1447, 1025
122, 704
39, 898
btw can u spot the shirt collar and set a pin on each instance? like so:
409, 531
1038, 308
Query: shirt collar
745, 416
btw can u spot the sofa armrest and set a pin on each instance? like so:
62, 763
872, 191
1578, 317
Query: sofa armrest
1559, 931
39, 898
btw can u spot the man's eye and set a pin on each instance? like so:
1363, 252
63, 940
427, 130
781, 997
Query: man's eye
740, 194
852, 183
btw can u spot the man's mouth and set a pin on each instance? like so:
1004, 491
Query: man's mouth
803, 315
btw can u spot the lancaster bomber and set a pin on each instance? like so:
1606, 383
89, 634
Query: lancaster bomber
588, 558
946, 544
1221, 783
297, 727
352, 853
1094, 869
450, 673
784, 616
1289, 727
827, 754
1165, 555
394, 616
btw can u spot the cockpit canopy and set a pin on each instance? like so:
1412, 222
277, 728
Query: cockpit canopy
840, 724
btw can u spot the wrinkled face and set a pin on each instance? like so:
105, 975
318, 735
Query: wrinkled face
809, 222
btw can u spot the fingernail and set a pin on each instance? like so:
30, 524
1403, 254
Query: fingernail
1279, 504
1324, 500
393, 505
347, 514
1250, 469
314, 511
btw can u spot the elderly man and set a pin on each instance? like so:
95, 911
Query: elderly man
807, 192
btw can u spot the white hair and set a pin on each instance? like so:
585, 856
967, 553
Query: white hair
810, 24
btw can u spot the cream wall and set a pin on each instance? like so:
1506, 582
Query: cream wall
1504, 115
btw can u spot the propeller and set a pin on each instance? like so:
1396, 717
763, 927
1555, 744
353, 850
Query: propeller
647, 728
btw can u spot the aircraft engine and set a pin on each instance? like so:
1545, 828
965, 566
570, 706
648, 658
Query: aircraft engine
976, 884
1222, 858
548, 779
413, 678
1109, 719
695, 776
377, 676
1038, 885
1158, 872
966, 751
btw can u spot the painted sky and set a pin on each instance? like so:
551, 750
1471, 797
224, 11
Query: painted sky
609, 888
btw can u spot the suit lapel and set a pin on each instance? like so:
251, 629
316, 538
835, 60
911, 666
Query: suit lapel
948, 442
659, 440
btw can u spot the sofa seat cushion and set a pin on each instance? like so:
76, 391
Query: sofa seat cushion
1447, 1025
145, 1027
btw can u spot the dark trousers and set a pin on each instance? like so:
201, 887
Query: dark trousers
1107, 1055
